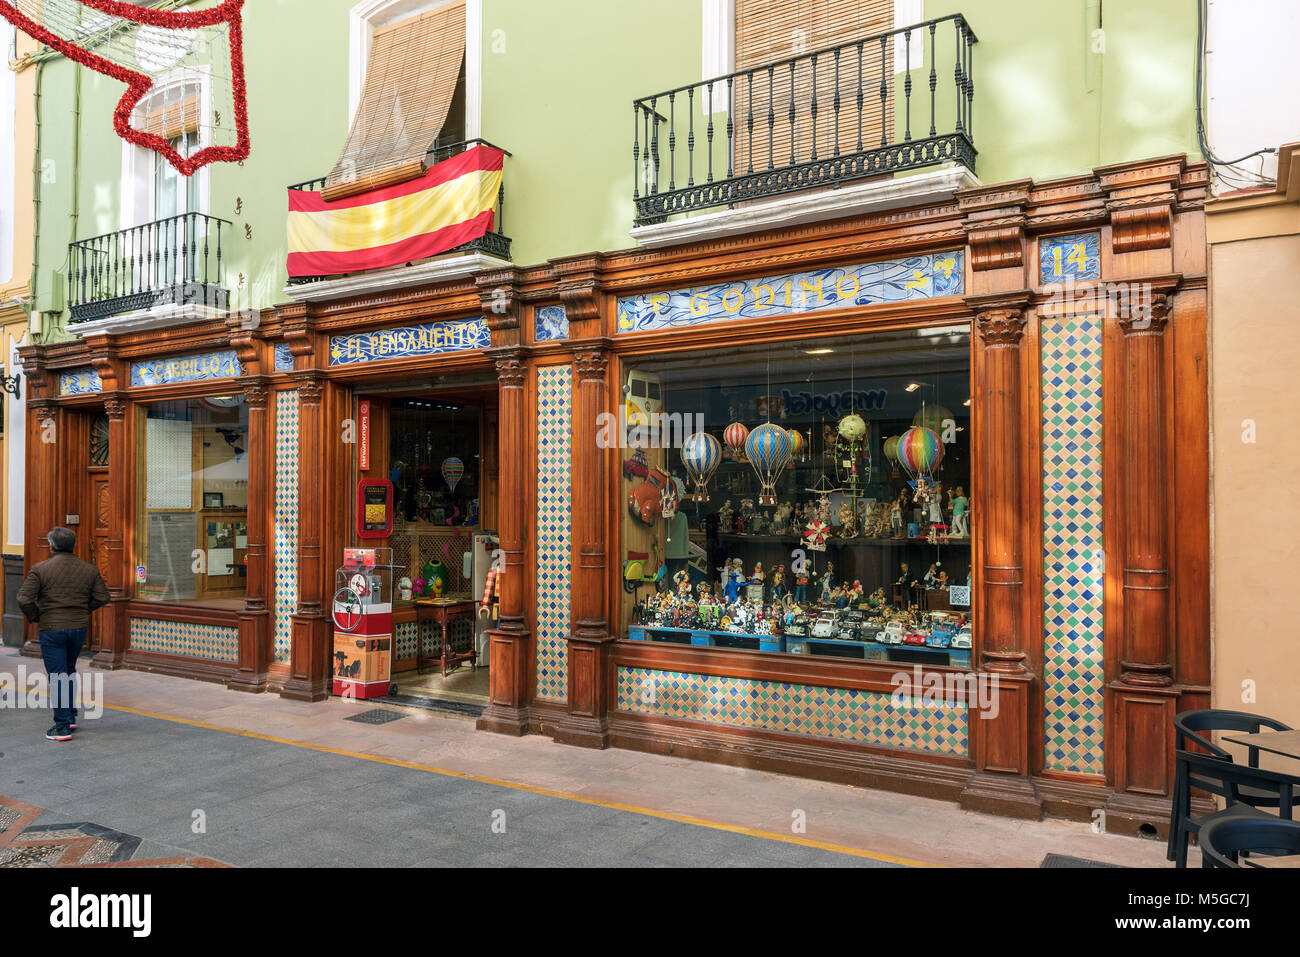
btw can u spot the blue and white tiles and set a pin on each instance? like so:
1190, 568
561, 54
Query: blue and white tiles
554, 532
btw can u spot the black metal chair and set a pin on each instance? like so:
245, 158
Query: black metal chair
1220, 777
1191, 727
1223, 842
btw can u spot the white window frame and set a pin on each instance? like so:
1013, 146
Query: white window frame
140, 165
365, 17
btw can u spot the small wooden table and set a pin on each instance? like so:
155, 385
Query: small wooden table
1285, 743
443, 612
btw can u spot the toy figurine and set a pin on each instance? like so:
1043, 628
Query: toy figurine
958, 502
855, 592
732, 577
931, 575
801, 586
683, 580
778, 582
726, 517
828, 582
746, 518
936, 505
848, 520
756, 583
781, 519
896, 515
405, 590
941, 582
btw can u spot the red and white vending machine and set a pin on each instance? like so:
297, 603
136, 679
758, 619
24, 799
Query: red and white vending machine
363, 623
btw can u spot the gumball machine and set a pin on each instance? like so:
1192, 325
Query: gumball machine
363, 623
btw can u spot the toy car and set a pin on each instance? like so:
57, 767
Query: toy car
643, 502
963, 637
914, 638
849, 631
635, 466
893, 633
798, 628
869, 632
824, 627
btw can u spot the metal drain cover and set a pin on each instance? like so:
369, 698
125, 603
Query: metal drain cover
376, 716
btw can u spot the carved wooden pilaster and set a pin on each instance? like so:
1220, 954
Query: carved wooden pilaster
114, 637
254, 620
586, 722
509, 642
309, 644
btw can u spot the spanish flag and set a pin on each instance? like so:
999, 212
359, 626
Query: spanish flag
447, 207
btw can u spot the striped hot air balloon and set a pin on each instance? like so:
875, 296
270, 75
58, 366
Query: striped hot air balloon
798, 444
452, 470
768, 450
735, 436
701, 454
891, 448
919, 452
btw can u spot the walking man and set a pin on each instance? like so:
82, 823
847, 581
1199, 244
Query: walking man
59, 594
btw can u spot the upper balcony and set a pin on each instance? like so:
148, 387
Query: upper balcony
873, 107
463, 258
175, 261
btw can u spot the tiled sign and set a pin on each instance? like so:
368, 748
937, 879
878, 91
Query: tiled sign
894, 280
1066, 258
197, 368
80, 382
430, 338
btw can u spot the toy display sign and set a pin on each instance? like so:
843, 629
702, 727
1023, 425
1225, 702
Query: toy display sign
363, 451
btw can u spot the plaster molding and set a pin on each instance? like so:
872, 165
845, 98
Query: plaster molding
810, 207
157, 317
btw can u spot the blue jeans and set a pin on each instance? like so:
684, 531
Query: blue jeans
59, 650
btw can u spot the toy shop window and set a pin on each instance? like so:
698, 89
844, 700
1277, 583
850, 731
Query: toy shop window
819, 492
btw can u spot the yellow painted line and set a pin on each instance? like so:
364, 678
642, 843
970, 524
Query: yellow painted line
546, 792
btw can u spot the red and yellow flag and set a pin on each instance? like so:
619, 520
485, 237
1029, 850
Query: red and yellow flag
447, 207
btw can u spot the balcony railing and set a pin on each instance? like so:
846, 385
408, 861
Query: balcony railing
493, 243
175, 260
813, 120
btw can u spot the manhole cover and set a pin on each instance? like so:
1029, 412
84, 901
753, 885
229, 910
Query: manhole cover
377, 716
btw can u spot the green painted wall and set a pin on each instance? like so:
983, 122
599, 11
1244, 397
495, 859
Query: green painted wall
559, 78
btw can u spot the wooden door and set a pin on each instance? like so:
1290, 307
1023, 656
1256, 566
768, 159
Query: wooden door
101, 504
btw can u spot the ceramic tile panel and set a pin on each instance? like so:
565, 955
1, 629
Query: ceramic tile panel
551, 323
184, 638
1069, 258
286, 522
864, 717
1073, 670
554, 533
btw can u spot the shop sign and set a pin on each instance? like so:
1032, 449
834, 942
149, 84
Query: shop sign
426, 339
890, 281
1062, 258
198, 368
832, 404
363, 452
80, 382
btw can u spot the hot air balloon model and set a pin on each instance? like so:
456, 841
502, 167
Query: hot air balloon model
920, 452
850, 443
891, 452
701, 454
768, 450
798, 445
735, 436
452, 470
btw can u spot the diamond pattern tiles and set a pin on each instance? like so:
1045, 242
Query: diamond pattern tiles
866, 717
1073, 673
554, 534
190, 640
286, 521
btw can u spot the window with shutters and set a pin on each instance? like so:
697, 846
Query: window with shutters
793, 105
413, 100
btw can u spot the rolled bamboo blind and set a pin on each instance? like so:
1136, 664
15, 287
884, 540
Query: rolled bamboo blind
174, 119
768, 31
410, 81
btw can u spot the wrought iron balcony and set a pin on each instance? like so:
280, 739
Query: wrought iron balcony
818, 119
493, 243
174, 260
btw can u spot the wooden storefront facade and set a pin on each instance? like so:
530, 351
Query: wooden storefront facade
1093, 603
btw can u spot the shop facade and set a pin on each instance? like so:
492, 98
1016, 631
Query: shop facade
1059, 328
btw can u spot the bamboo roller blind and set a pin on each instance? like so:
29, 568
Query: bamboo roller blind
772, 30
410, 81
173, 119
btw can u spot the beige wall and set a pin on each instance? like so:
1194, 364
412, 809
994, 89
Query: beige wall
1255, 378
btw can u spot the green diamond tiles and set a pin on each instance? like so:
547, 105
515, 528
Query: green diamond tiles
1073, 671
554, 535
865, 717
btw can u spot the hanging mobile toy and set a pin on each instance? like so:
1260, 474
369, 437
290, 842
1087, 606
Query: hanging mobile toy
735, 436
850, 442
768, 450
701, 454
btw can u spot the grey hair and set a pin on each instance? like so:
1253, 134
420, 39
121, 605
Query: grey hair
62, 539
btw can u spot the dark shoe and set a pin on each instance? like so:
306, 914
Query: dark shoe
59, 734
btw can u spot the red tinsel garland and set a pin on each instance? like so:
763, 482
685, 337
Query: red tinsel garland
139, 85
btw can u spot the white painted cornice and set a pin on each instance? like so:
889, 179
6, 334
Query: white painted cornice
398, 277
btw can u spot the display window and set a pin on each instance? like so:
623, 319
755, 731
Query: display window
191, 536
803, 498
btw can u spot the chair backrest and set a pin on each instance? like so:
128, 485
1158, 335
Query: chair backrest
1223, 840
1220, 776
1189, 724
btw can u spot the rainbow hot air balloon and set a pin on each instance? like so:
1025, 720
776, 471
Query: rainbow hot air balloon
798, 444
701, 454
920, 452
452, 470
768, 450
735, 436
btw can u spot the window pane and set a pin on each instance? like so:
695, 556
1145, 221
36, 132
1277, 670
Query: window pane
192, 523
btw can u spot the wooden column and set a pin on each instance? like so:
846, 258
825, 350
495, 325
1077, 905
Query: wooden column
1144, 699
1001, 737
587, 720
309, 657
509, 643
45, 422
114, 626
254, 620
